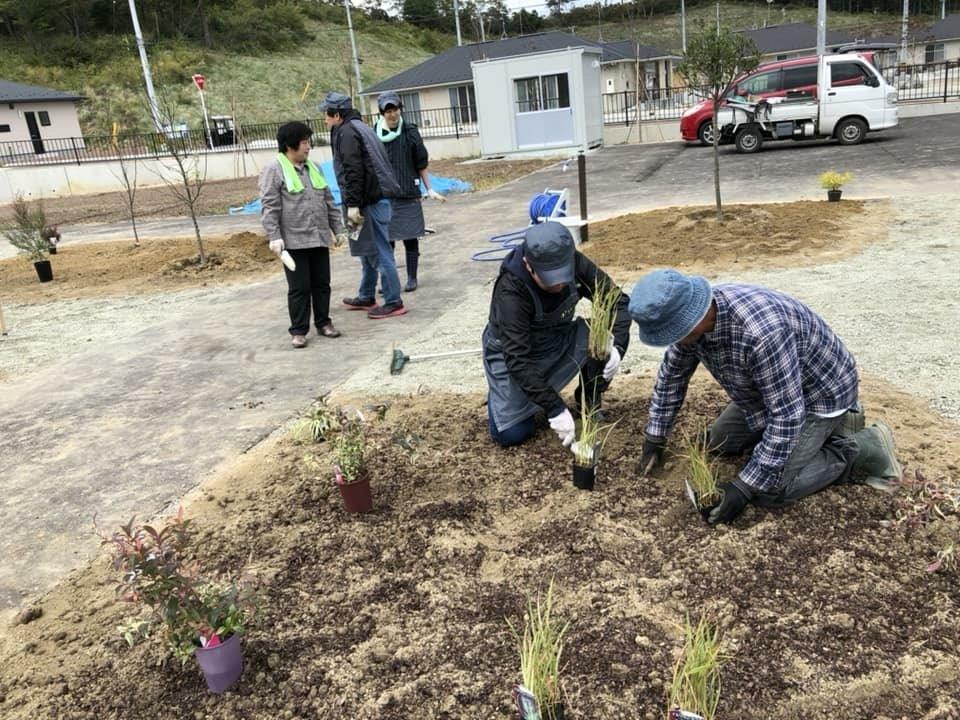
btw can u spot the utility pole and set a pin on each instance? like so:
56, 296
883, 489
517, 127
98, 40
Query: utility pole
145, 64
683, 25
456, 19
821, 27
483, 34
903, 32
353, 44
718, 18
943, 9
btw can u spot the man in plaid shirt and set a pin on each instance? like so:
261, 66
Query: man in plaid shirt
793, 388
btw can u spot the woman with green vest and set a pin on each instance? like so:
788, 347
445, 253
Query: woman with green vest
409, 159
299, 216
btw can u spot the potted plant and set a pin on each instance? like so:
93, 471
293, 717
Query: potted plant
540, 697
701, 481
832, 182
603, 309
350, 471
695, 688
26, 235
199, 615
586, 448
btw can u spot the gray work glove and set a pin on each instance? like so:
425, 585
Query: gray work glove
652, 453
354, 217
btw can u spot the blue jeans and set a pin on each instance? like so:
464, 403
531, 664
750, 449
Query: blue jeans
378, 215
513, 435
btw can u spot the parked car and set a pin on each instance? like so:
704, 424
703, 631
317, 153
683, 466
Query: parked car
774, 79
851, 99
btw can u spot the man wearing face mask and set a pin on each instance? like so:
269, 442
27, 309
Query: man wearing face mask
533, 344
792, 383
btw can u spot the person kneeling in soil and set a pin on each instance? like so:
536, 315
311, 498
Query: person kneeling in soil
793, 386
299, 216
533, 345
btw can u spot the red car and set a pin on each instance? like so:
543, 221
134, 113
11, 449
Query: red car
773, 79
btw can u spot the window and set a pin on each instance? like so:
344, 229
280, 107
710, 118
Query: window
767, 82
411, 102
795, 78
544, 92
934, 53
848, 73
44, 118
4, 128
464, 104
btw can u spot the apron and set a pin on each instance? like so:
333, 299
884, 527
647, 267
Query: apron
559, 345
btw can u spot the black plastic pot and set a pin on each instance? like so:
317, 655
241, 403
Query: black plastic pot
52, 249
591, 382
44, 270
834, 195
584, 477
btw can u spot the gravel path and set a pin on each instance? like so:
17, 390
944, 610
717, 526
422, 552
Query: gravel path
896, 306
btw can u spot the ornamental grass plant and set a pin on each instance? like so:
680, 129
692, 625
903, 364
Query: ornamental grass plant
591, 437
695, 687
603, 314
701, 469
831, 180
26, 232
541, 645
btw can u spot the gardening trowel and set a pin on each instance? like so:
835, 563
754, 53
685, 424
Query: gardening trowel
287, 259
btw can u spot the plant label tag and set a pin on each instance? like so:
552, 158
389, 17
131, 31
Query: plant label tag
526, 703
678, 714
693, 499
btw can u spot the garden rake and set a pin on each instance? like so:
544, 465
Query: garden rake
400, 358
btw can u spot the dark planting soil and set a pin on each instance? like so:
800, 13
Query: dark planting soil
402, 613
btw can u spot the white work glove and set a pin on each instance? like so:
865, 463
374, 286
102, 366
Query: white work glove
339, 239
277, 246
434, 195
354, 217
613, 364
564, 427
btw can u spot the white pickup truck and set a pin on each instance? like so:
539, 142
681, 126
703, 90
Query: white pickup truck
852, 100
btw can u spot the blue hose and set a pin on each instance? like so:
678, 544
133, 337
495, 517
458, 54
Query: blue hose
542, 205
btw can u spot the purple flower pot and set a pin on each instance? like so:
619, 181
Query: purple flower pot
222, 665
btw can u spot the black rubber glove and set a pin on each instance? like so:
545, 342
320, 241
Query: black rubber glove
652, 453
732, 502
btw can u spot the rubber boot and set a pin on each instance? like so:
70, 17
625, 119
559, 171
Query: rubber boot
877, 455
413, 261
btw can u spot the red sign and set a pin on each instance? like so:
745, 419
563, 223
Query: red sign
199, 80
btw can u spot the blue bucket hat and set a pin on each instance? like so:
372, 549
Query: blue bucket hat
388, 98
335, 101
667, 305
550, 250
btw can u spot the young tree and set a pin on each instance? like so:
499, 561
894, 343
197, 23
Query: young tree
715, 58
187, 167
126, 173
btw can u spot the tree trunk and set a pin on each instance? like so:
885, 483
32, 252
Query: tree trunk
204, 25
716, 157
196, 230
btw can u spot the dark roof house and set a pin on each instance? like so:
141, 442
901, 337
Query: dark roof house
453, 65
793, 37
946, 29
11, 92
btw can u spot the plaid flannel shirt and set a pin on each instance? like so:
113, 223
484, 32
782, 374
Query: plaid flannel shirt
776, 359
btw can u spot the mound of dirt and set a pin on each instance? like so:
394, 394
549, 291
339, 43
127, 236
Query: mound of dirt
750, 236
402, 613
118, 268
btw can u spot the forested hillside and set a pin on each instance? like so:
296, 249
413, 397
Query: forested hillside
267, 60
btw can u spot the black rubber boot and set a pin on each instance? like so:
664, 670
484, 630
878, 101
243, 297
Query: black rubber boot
413, 261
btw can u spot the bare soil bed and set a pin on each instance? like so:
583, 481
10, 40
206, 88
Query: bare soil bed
400, 614
217, 196
750, 236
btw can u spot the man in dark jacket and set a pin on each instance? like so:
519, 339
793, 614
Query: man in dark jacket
366, 185
534, 345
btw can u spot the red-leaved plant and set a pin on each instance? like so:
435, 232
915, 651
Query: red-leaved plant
921, 501
194, 610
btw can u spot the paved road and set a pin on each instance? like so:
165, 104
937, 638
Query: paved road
127, 427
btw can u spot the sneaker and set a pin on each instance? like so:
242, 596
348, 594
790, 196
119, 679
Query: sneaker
298, 341
385, 311
359, 303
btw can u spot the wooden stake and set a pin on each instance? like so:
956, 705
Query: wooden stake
3, 324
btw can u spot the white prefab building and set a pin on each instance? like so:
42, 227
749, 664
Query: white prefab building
539, 101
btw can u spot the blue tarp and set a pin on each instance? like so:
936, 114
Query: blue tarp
442, 185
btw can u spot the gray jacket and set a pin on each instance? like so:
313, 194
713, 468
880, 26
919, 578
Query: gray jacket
302, 220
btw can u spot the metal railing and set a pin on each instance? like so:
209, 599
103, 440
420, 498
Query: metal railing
914, 83
453, 122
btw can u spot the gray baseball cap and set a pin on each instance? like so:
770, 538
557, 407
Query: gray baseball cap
550, 250
388, 98
335, 101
